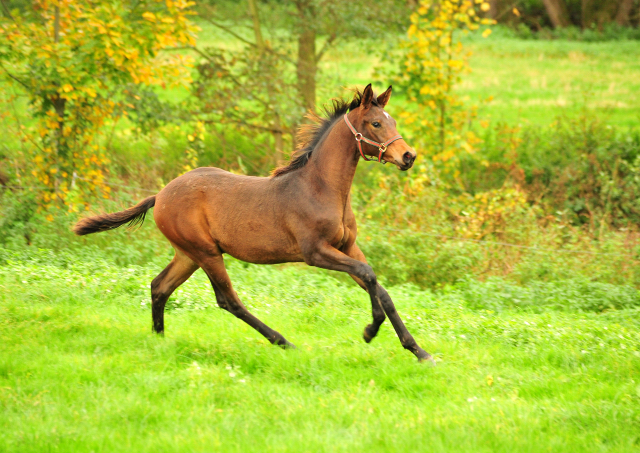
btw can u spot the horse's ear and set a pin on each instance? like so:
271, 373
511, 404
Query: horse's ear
383, 99
367, 98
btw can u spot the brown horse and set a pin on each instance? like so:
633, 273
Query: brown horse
301, 213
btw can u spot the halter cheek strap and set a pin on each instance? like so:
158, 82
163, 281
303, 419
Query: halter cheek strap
382, 147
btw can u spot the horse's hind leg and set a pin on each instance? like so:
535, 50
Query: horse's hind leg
214, 267
376, 309
175, 274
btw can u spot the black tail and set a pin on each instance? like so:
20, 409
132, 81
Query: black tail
104, 222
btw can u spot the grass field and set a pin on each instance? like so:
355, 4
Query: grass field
531, 82
81, 371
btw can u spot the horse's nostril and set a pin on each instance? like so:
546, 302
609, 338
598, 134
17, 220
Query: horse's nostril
408, 158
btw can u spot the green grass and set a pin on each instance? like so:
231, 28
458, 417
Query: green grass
534, 81
80, 369
529, 81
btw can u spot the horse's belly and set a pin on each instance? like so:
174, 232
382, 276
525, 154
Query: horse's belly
260, 254
253, 244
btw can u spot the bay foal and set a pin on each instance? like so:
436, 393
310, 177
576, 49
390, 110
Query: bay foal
301, 213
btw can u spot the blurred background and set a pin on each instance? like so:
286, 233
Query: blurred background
524, 114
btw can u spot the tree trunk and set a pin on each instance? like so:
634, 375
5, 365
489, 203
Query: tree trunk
624, 10
278, 156
307, 63
586, 15
307, 67
557, 11
253, 11
493, 9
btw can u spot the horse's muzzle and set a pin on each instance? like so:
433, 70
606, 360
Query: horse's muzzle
408, 158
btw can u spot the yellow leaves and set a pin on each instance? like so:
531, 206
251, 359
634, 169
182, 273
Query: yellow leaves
484, 6
516, 12
121, 43
486, 33
426, 90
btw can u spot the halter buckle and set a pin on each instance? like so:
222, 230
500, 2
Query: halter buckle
382, 149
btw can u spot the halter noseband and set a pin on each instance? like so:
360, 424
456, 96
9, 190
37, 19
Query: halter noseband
382, 147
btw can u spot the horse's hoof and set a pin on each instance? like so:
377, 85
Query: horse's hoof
368, 336
285, 344
427, 360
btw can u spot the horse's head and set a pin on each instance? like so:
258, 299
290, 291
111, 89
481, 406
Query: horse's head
377, 125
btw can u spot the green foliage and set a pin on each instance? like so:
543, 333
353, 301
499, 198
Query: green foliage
582, 168
433, 62
608, 32
251, 91
577, 295
54, 53
18, 217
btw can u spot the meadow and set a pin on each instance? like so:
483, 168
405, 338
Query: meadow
537, 345
80, 369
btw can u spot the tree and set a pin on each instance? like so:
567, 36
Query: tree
71, 58
434, 61
558, 13
624, 11
267, 86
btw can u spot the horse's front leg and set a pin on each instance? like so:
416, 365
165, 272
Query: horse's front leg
376, 309
328, 257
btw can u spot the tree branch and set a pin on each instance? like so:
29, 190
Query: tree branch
228, 30
13, 77
6, 10
327, 44
251, 126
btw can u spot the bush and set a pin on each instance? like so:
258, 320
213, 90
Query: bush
577, 294
587, 171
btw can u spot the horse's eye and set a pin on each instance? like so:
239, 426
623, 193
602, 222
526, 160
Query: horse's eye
375, 124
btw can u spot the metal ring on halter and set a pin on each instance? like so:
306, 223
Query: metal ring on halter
382, 149
358, 136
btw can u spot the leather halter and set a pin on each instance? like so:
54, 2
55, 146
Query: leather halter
382, 147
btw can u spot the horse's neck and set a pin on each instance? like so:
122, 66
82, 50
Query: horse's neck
335, 160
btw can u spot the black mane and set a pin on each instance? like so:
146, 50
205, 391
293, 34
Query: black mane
309, 135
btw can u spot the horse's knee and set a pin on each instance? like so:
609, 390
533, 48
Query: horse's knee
368, 276
234, 307
159, 291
